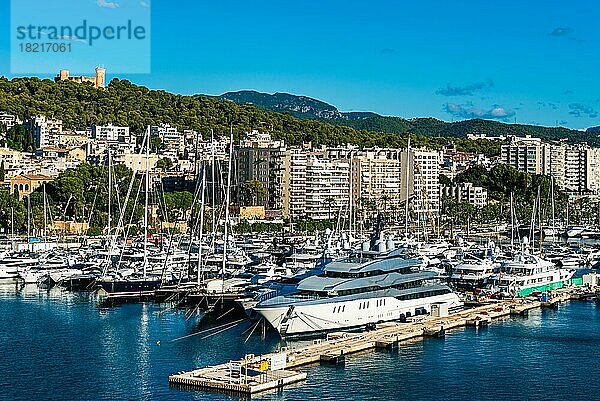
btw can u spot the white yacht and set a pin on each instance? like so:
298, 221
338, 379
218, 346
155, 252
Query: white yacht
473, 273
9, 275
528, 273
362, 289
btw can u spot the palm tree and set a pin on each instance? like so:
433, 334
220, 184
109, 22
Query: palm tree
329, 201
385, 198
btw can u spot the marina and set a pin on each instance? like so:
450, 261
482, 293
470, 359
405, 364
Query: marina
120, 365
337, 346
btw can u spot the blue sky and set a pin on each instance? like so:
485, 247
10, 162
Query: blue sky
531, 62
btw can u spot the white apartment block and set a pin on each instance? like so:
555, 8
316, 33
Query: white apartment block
110, 133
294, 183
573, 166
313, 186
575, 169
327, 188
170, 136
377, 178
422, 169
466, 192
525, 154
592, 160
46, 132
9, 120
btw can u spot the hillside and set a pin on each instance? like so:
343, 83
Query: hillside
298, 106
124, 103
315, 109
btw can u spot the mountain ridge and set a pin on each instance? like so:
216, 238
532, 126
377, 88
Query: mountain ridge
305, 107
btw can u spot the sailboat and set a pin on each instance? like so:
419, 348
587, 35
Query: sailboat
135, 284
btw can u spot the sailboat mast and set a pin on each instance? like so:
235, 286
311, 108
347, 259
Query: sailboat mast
212, 177
109, 191
351, 198
227, 198
540, 218
28, 217
512, 223
45, 214
406, 187
552, 200
147, 184
203, 186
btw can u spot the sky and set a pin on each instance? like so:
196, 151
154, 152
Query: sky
533, 62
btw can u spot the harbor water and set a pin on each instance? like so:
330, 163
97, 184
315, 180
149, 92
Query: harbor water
63, 346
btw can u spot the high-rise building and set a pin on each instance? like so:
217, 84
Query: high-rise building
261, 159
593, 170
525, 154
327, 188
46, 132
421, 183
376, 177
294, 183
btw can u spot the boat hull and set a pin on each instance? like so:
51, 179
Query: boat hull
310, 319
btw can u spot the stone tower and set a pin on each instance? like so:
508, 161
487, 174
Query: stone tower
100, 77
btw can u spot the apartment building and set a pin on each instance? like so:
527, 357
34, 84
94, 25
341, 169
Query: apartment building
111, 133
46, 131
526, 154
327, 188
171, 138
466, 192
421, 171
9, 120
376, 177
260, 158
293, 183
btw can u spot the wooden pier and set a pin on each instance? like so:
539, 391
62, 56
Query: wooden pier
256, 373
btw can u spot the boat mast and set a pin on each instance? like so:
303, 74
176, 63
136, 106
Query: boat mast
45, 215
406, 187
227, 198
512, 224
540, 218
203, 185
146, 204
350, 198
552, 200
109, 191
212, 177
28, 217
12, 224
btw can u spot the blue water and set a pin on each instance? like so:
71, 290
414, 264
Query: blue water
62, 346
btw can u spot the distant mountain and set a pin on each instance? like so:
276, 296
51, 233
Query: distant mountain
593, 130
298, 106
312, 109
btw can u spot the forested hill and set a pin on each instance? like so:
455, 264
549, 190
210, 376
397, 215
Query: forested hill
298, 106
124, 103
309, 108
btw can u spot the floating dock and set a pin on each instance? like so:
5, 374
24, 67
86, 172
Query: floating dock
254, 374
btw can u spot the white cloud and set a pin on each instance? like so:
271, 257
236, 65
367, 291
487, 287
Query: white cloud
468, 111
107, 4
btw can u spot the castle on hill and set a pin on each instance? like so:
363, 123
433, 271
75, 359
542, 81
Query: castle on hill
98, 80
